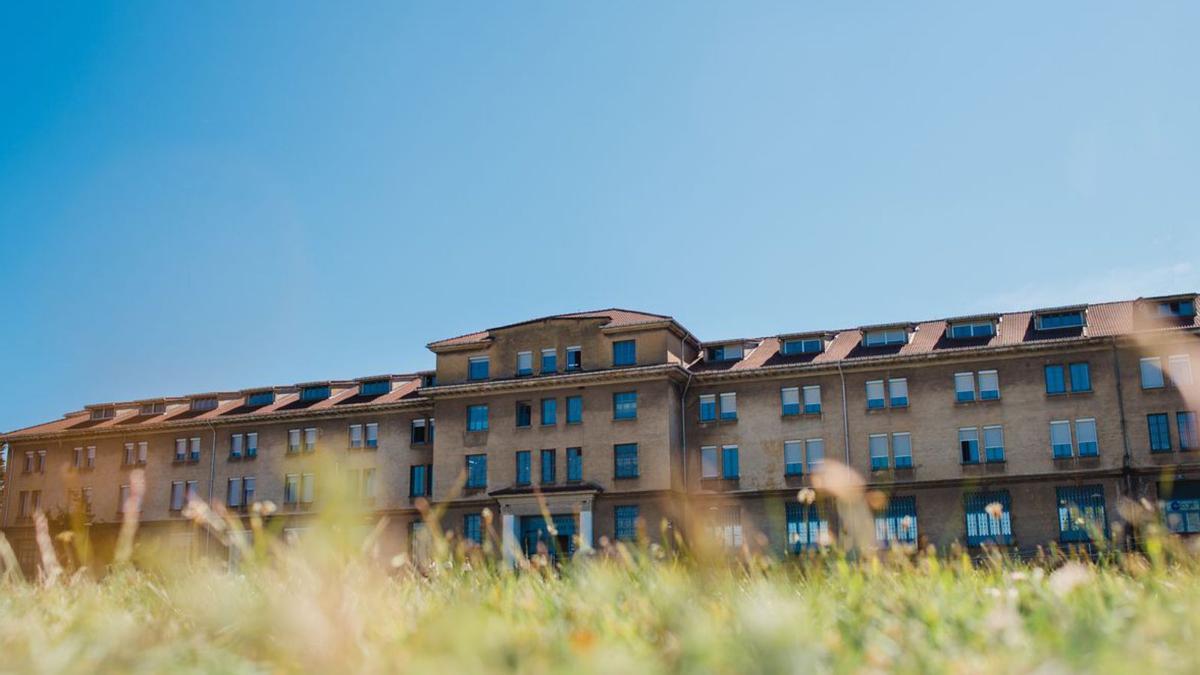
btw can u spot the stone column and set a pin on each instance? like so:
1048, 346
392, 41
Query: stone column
508, 540
585, 527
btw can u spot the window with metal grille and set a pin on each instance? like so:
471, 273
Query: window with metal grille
626, 525
726, 526
807, 527
625, 460
989, 517
625, 405
898, 522
1081, 513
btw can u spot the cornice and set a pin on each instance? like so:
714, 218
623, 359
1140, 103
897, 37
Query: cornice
670, 370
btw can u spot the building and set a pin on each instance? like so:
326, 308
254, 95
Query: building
1019, 429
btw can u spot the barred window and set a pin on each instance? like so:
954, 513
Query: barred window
989, 517
626, 525
898, 522
1081, 513
807, 527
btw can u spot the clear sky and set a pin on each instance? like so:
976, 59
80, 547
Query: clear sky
217, 195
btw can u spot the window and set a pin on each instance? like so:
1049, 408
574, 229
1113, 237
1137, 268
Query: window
248, 490
1180, 367
729, 462
708, 407
524, 364
310, 439
477, 368
1085, 436
549, 361
524, 414
156, 408
307, 488
177, 495
260, 398
989, 385
807, 527
419, 434
356, 436
625, 405
728, 406
1081, 377
626, 525
897, 524
790, 398
812, 399
473, 527
1060, 439
291, 488
372, 434
574, 464
878, 444
233, 492
29, 457
1160, 432
993, 444
708, 462
429, 379
968, 445
549, 466
180, 451
293, 440
420, 480
725, 353
902, 450
1056, 320
476, 471
989, 517
91, 457
374, 388
964, 387
875, 399
727, 526
624, 353
549, 412
77, 458
972, 329
105, 413
1152, 376
208, 403
574, 409
574, 358
793, 458
1081, 513
803, 346
316, 393
898, 392
123, 498
625, 459
1181, 308
236, 445
881, 338
1180, 504
477, 417
816, 454
1055, 382
193, 454
1186, 422
524, 467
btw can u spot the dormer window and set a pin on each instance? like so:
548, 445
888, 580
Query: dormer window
428, 380
971, 329
1181, 308
260, 398
885, 337
315, 393
206, 403
105, 413
374, 388
803, 346
732, 352
1056, 320
157, 408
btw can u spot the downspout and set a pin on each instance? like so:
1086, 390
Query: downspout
845, 414
212, 478
1127, 459
683, 439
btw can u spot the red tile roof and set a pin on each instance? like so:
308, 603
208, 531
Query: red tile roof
616, 318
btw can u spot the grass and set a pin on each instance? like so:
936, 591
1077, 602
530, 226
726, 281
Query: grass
322, 605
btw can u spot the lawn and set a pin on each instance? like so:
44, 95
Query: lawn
322, 605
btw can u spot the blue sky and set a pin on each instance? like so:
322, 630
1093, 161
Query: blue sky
208, 196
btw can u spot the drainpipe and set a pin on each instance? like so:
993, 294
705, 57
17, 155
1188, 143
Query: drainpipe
212, 478
845, 413
686, 525
1127, 459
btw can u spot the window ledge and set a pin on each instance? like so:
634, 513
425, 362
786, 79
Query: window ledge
633, 477
624, 419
